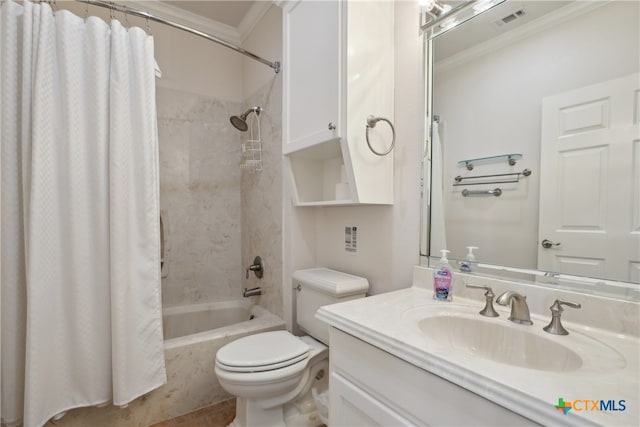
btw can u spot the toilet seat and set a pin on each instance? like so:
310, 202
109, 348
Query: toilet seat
262, 352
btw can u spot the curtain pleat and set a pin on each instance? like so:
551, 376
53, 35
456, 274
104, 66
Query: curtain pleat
80, 214
134, 214
13, 278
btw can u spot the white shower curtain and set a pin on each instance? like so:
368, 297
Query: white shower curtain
438, 229
80, 273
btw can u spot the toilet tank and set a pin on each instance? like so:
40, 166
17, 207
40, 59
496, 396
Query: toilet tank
316, 287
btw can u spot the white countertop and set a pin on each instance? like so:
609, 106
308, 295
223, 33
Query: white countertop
389, 322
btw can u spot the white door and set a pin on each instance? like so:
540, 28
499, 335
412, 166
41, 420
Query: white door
590, 181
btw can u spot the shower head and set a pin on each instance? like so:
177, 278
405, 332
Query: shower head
240, 122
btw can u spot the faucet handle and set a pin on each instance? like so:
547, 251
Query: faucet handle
555, 325
488, 309
557, 305
257, 267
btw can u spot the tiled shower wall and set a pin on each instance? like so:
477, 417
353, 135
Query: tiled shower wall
262, 200
216, 217
199, 198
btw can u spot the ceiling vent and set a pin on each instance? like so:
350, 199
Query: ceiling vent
510, 18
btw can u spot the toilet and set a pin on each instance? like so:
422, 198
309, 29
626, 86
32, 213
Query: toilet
275, 374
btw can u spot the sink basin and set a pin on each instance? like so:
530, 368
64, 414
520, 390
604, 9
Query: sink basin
499, 341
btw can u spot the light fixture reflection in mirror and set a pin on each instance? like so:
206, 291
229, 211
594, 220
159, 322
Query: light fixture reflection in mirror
434, 7
438, 17
493, 93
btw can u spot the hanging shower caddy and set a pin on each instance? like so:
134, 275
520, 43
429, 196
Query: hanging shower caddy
252, 147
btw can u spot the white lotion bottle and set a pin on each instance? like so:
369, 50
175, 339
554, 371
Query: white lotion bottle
470, 264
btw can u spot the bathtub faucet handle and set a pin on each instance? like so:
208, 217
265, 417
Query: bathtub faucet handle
252, 292
257, 267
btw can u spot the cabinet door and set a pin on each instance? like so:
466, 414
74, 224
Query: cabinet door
352, 406
312, 64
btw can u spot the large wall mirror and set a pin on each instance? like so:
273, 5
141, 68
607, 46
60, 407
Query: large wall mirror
534, 112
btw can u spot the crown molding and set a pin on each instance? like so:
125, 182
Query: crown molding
215, 28
534, 27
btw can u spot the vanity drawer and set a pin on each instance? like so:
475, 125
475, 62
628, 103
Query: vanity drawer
412, 393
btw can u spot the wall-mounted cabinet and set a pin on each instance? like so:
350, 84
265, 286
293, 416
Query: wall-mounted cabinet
337, 71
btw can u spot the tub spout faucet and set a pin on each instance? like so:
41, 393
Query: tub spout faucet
257, 267
252, 292
519, 307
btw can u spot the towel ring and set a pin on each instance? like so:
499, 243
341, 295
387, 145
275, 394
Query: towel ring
371, 123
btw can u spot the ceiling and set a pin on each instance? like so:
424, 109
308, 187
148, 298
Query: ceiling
228, 12
229, 20
232, 20
489, 25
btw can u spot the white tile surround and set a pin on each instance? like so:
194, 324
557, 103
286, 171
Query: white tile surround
262, 194
199, 197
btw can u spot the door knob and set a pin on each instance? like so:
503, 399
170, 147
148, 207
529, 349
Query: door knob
546, 243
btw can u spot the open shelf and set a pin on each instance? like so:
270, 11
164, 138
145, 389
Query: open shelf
319, 175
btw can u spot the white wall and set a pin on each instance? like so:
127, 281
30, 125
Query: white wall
475, 102
265, 40
388, 236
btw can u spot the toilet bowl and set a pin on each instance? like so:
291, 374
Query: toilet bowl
274, 374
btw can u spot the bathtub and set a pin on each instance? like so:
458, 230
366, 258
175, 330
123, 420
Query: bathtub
193, 335
188, 324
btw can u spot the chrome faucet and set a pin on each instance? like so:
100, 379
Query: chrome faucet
519, 308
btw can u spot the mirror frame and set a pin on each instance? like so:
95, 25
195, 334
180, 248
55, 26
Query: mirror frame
581, 284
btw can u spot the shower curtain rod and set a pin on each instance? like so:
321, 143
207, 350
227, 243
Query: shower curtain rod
146, 15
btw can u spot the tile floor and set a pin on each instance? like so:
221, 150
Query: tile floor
218, 415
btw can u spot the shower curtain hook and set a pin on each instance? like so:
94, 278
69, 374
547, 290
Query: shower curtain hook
86, 11
112, 13
148, 26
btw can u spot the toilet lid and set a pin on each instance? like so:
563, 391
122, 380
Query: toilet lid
262, 352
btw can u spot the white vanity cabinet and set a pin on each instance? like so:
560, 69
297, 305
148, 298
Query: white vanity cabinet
369, 386
338, 68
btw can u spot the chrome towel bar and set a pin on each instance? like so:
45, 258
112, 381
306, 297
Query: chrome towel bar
495, 192
515, 177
